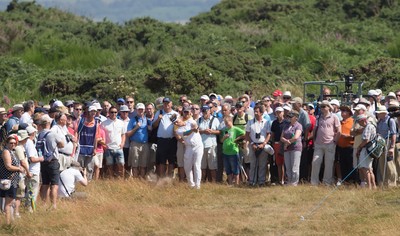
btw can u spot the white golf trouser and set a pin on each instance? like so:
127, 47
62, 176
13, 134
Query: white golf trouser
192, 164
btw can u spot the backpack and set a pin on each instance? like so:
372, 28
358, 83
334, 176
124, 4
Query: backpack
153, 133
246, 118
41, 147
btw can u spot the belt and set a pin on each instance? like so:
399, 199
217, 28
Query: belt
64, 153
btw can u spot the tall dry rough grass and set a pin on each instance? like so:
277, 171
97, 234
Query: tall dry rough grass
169, 208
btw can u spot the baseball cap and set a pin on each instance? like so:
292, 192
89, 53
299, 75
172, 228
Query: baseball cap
30, 129
120, 100
278, 109
360, 107
166, 99
123, 108
277, 93
204, 97
140, 106
92, 108
297, 100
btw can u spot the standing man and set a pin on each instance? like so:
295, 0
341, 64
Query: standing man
387, 129
137, 132
130, 102
50, 167
60, 129
86, 132
208, 129
258, 132
166, 143
327, 132
115, 139
29, 109
17, 111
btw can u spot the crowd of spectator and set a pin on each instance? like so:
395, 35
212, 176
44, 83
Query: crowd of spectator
276, 140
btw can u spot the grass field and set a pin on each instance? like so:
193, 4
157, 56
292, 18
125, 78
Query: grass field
136, 207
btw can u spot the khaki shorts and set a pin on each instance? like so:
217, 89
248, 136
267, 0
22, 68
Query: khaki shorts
138, 154
209, 159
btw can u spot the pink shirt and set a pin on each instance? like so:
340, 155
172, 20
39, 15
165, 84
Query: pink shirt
327, 128
101, 134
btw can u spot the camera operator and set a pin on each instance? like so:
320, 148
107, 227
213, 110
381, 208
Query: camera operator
68, 180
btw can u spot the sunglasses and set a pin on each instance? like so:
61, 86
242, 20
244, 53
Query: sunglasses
323, 106
113, 112
286, 98
130, 101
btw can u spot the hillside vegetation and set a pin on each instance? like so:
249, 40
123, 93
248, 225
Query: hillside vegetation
254, 44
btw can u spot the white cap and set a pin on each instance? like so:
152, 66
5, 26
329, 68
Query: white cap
311, 105
360, 107
373, 92
287, 94
124, 108
140, 106
381, 109
30, 129
92, 108
378, 91
287, 107
97, 105
278, 109
57, 104
391, 95
228, 97
204, 97
335, 102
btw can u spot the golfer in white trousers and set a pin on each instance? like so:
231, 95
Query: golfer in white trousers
193, 150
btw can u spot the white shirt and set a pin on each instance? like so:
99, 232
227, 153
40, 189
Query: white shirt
31, 151
114, 129
62, 132
209, 140
26, 118
69, 177
192, 140
127, 141
254, 126
165, 127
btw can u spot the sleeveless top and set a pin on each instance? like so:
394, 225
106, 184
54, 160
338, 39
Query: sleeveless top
6, 174
86, 140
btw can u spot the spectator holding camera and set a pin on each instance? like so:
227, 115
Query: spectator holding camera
68, 179
166, 142
61, 129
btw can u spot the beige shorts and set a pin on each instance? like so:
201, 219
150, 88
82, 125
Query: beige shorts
138, 154
209, 159
98, 160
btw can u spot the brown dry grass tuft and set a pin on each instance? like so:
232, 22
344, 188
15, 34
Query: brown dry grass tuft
169, 208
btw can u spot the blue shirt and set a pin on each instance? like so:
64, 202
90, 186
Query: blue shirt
11, 122
141, 135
